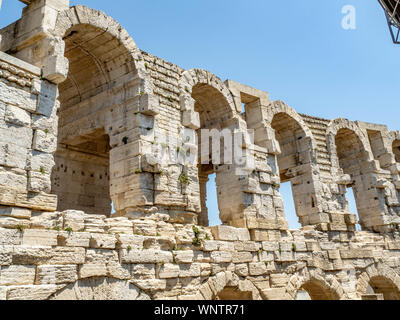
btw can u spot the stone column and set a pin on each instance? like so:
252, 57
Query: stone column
203, 216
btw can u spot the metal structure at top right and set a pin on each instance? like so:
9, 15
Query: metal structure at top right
392, 12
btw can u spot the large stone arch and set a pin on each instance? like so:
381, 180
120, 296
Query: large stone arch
226, 286
353, 165
105, 102
278, 107
100, 288
82, 15
317, 285
207, 103
383, 279
191, 78
333, 128
294, 147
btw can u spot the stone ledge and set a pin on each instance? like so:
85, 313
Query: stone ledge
19, 64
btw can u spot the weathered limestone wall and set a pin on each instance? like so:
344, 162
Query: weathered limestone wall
88, 119
27, 135
118, 258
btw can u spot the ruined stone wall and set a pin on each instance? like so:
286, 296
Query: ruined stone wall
71, 255
88, 120
28, 135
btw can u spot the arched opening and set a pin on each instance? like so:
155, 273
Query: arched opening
351, 155
315, 290
396, 150
91, 112
292, 162
214, 113
384, 286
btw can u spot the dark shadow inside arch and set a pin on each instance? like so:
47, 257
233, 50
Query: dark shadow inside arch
384, 286
316, 290
81, 175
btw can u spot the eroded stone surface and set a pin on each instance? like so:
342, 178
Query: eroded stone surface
83, 134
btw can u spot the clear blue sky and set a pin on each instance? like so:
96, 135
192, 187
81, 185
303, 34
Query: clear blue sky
297, 51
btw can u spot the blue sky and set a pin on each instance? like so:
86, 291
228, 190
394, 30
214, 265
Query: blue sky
296, 51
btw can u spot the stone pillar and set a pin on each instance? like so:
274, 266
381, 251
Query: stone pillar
28, 126
34, 41
203, 216
32, 124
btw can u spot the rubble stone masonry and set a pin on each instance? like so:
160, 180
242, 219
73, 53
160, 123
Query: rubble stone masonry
82, 110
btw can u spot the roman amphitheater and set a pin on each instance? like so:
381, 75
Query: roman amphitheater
82, 115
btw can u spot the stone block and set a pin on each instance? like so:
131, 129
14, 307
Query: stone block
90, 270
191, 120
186, 256
13, 156
117, 271
44, 141
149, 105
17, 116
36, 237
74, 239
119, 225
102, 241
47, 220
6, 252
17, 275
56, 274
242, 269
74, 219
210, 245
144, 271
259, 235
257, 268
32, 292
13, 223
14, 212
150, 284
221, 257
228, 233
145, 227
27, 255
146, 256
40, 162
168, 271
189, 270
39, 182
242, 257
279, 280
47, 98
95, 224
